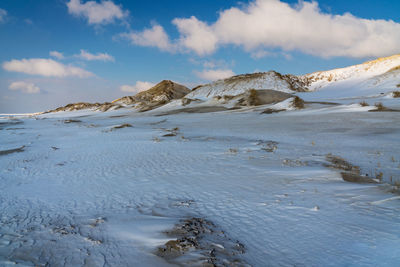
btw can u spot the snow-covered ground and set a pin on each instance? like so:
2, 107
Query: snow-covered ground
82, 193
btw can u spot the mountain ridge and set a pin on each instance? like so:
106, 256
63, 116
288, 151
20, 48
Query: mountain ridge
382, 73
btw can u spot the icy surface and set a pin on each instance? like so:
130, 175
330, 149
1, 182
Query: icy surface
83, 193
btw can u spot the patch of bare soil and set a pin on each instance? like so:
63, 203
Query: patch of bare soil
10, 151
260, 97
199, 242
350, 173
297, 103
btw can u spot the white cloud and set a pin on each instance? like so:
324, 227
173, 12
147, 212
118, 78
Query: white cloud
3, 15
99, 56
56, 54
104, 12
196, 35
153, 37
138, 87
213, 75
264, 25
272, 23
28, 88
45, 67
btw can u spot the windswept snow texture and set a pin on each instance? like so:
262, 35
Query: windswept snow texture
82, 195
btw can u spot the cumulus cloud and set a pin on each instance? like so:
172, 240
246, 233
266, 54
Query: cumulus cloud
45, 67
196, 35
56, 54
25, 87
138, 87
3, 15
104, 12
213, 75
153, 37
264, 25
99, 56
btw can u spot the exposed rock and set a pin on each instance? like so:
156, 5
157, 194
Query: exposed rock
200, 243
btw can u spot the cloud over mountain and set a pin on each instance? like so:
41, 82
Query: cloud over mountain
215, 74
138, 87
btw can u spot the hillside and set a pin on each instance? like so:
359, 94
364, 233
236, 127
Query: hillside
379, 70
241, 83
156, 96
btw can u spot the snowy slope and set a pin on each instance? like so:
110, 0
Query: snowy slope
241, 83
385, 68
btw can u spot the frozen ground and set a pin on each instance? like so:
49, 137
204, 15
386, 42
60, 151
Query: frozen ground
85, 194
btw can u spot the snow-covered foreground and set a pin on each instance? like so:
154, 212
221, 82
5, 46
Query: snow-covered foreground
86, 194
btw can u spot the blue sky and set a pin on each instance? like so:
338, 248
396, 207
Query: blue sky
107, 49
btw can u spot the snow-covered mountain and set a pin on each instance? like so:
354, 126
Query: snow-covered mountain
241, 83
